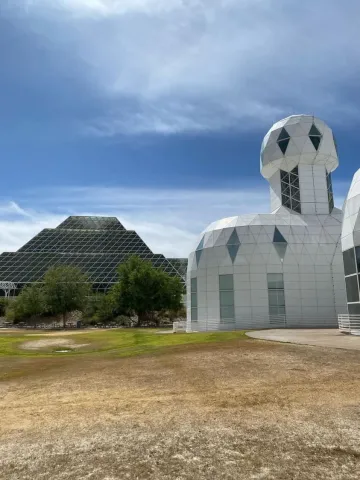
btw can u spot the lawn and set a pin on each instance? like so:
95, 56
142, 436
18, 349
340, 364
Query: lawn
120, 342
139, 405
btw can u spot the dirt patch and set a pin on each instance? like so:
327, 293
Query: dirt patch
243, 410
62, 334
49, 343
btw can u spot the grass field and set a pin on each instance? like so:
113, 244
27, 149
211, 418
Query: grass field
133, 404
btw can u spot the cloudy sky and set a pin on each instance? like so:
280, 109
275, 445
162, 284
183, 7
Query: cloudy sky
154, 110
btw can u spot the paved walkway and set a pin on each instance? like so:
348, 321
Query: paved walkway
320, 337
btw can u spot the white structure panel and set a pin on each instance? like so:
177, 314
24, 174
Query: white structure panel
305, 248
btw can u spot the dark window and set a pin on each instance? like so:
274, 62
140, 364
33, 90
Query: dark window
226, 289
283, 140
357, 254
233, 250
315, 136
194, 310
234, 239
233, 245
354, 308
226, 282
352, 289
285, 176
278, 238
316, 142
283, 144
314, 131
283, 135
330, 192
276, 296
275, 281
290, 190
349, 262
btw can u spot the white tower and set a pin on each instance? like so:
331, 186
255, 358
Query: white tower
350, 242
283, 268
304, 147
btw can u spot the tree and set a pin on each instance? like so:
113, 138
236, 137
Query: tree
144, 290
66, 289
29, 304
99, 307
4, 302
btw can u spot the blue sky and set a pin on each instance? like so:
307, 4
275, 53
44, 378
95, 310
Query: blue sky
154, 110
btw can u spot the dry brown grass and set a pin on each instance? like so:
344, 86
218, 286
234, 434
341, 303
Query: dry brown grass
240, 410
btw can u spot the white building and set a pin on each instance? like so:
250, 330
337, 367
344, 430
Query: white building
283, 268
350, 241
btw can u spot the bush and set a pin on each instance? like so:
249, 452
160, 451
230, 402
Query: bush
29, 305
145, 291
4, 302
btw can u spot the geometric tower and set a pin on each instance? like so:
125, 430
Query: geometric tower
283, 268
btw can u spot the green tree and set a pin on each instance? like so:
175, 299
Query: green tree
4, 302
30, 304
143, 290
66, 289
99, 307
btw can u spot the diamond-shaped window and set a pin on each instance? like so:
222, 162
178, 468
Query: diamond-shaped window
314, 131
315, 136
283, 135
283, 140
278, 237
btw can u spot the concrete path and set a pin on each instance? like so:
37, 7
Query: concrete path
320, 337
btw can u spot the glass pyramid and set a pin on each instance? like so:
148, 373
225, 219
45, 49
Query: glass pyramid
96, 245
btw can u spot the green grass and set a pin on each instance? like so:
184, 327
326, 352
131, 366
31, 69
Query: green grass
120, 342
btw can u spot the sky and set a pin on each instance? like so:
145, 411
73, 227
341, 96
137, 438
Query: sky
154, 110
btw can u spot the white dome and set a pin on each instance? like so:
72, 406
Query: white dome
298, 139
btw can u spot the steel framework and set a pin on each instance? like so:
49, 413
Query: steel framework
8, 288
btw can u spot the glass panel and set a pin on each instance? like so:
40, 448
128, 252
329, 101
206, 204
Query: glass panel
226, 282
286, 191
226, 298
293, 179
314, 131
296, 207
194, 285
194, 314
194, 300
352, 289
278, 238
354, 308
227, 312
349, 261
287, 203
273, 298
283, 135
273, 311
275, 280
316, 142
283, 145
284, 176
234, 239
357, 253
280, 298
233, 249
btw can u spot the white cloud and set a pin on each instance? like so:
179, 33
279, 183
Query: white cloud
169, 221
170, 66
